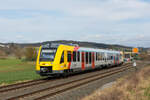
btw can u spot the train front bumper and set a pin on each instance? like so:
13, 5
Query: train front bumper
54, 72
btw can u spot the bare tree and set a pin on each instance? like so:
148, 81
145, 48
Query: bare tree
30, 53
15, 50
2, 53
18, 52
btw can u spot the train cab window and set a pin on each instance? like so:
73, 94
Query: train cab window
62, 58
74, 56
69, 56
90, 57
87, 57
78, 56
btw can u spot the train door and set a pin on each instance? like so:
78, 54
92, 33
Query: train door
93, 60
74, 62
69, 58
62, 64
118, 58
86, 59
114, 60
111, 59
78, 59
83, 61
65, 59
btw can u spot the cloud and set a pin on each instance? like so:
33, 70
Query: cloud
107, 21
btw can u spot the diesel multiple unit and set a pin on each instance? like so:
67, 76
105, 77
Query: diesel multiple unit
58, 59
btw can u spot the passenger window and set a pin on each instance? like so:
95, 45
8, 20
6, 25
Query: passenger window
103, 58
62, 58
69, 56
74, 56
96, 56
78, 56
111, 57
90, 57
99, 56
87, 57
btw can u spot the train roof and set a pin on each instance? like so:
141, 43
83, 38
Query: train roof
97, 50
93, 49
56, 45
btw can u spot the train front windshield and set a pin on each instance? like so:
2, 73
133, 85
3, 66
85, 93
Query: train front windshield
47, 54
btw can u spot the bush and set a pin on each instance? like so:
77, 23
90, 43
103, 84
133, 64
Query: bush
18, 52
144, 56
2, 53
14, 50
30, 54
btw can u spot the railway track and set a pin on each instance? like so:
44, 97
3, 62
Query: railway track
22, 85
63, 87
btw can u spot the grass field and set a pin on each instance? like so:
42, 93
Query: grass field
14, 70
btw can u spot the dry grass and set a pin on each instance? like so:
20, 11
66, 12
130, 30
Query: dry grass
132, 87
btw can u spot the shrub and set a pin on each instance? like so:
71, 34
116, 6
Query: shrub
18, 52
30, 54
2, 53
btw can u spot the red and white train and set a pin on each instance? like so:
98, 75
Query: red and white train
54, 59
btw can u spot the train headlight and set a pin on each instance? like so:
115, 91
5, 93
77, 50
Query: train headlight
43, 69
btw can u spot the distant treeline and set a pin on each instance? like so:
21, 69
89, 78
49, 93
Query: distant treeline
14, 50
28, 51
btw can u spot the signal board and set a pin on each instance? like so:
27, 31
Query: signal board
135, 50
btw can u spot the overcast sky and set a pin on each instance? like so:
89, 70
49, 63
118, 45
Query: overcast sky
125, 22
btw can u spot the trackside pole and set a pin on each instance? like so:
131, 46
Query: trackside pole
134, 65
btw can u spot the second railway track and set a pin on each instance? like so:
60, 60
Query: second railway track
62, 87
21, 85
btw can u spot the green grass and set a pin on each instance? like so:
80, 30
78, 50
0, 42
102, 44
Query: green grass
14, 70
